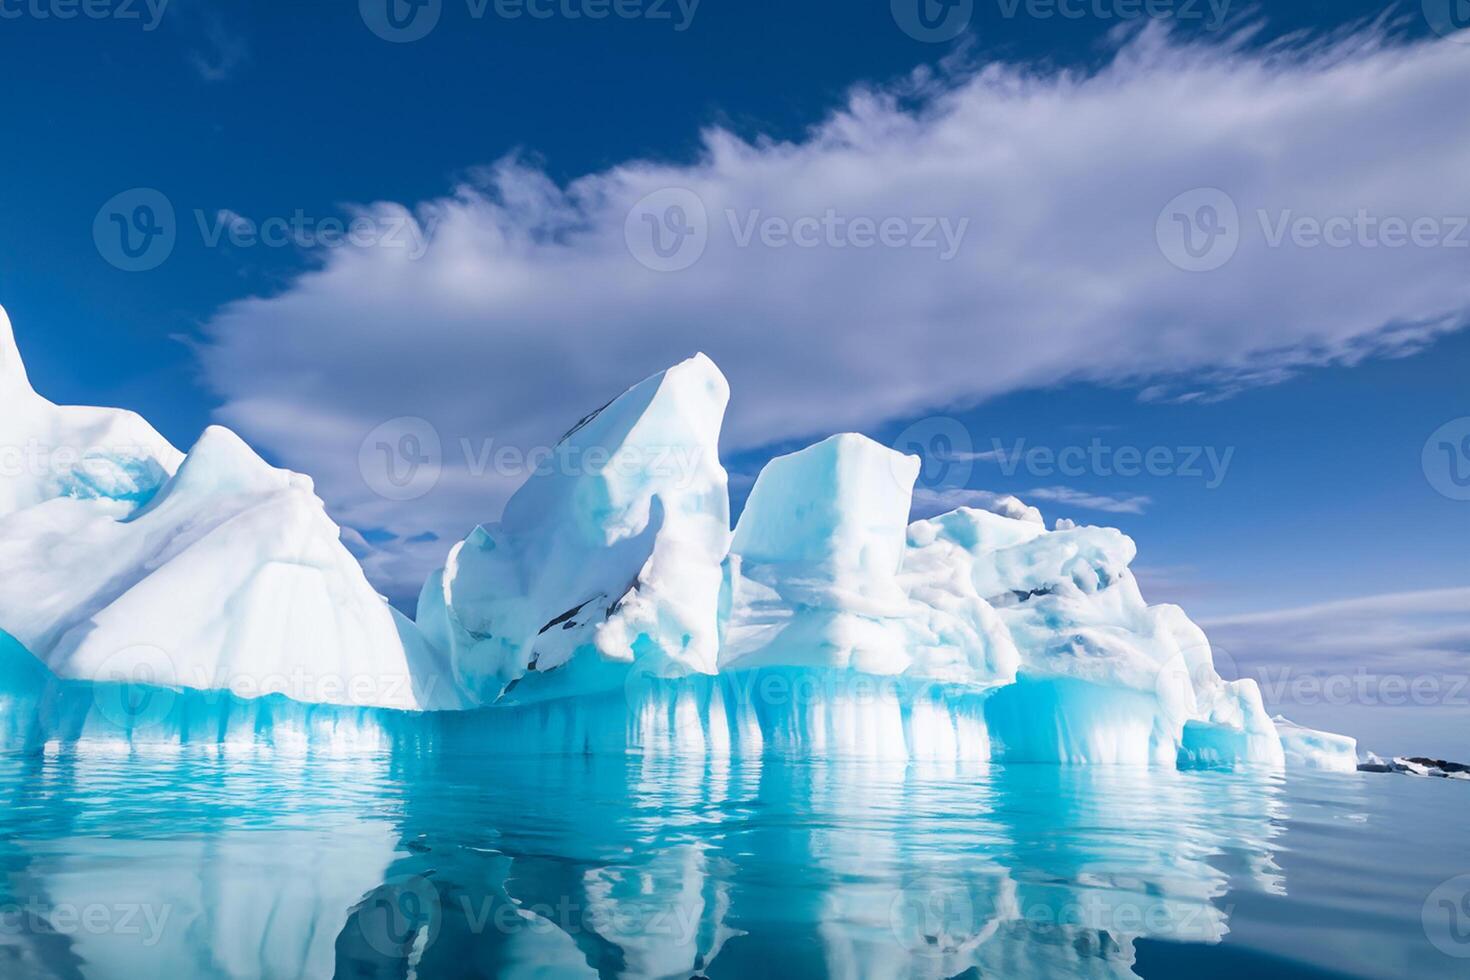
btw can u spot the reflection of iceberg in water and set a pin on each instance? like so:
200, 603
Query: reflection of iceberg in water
590, 869
660, 868
429, 865
423, 865
1054, 871
185, 866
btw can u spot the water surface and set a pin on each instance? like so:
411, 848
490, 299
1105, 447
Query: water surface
210, 865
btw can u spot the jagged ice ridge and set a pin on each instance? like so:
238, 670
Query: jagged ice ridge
157, 598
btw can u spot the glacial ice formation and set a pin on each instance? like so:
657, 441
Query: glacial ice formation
611, 608
1311, 749
214, 571
812, 574
608, 557
53, 451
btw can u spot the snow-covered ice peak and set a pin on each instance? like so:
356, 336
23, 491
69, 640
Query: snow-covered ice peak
71, 451
612, 607
608, 556
812, 577
13, 380
213, 571
221, 464
842, 503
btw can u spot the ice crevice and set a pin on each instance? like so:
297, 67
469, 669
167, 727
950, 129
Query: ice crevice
160, 598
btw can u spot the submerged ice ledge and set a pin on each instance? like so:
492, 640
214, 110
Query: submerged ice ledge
158, 598
784, 712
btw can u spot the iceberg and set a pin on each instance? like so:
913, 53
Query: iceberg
607, 558
1309, 749
52, 451
1044, 631
128, 562
823, 645
812, 574
153, 596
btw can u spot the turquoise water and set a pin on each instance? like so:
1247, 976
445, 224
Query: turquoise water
450, 866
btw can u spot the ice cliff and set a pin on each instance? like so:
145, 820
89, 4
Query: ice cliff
127, 561
611, 608
608, 558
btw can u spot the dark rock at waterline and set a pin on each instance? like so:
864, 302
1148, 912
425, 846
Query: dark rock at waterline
1440, 764
1416, 766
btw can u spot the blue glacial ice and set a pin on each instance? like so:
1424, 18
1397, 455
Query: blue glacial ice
608, 556
152, 597
224, 574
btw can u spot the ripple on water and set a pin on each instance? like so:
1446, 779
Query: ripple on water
209, 865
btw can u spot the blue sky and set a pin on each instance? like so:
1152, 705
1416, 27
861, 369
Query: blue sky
1054, 148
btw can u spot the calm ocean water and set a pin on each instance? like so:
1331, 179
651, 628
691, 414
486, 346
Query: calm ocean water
454, 866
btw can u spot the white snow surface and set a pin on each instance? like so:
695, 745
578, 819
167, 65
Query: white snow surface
611, 607
217, 572
812, 578
1310, 749
606, 558
54, 451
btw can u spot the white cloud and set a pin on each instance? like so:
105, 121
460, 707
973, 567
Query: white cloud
224, 51
528, 309
1426, 631
233, 221
988, 456
1392, 669
1091, 501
